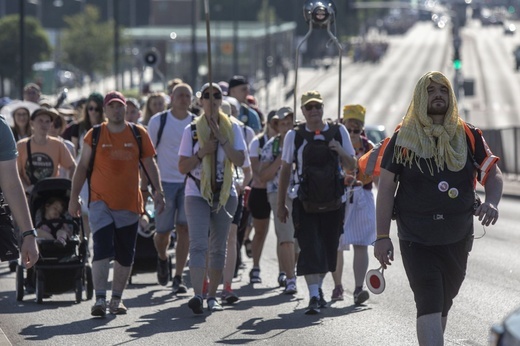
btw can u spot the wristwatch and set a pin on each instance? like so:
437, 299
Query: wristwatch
29, 232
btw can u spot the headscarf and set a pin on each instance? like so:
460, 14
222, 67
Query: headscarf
418, 138
208, 161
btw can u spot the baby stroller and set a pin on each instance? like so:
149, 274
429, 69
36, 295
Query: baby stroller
145, 258
61, 268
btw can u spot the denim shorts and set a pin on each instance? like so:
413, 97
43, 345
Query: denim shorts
173, 213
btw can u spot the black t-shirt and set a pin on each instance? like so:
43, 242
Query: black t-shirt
434, 209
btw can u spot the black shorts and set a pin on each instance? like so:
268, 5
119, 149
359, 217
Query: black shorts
435, 274
318, 238
258, 203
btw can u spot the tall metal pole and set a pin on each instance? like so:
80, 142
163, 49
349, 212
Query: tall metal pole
116, 42
235, 37
22, 47
194, 57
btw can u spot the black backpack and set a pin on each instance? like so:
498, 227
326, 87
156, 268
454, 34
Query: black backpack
321, 183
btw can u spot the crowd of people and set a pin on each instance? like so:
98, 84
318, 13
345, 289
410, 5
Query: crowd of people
215, 168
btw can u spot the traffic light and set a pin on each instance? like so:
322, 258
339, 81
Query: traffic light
457, 63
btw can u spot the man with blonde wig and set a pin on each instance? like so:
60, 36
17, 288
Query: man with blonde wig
436, 158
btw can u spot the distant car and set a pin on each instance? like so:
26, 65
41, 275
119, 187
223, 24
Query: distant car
507, 333
509, 29
375, 133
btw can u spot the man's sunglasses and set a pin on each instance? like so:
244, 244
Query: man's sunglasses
357, 132
318, 106
217, 96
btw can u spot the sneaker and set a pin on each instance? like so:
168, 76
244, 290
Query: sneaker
360, 296
213, 305
337, 293
313, 307
116, 307
229, 297
282, 279
178, 286
254, 276
290, 288
162, 272
322, 302
195, 304
100, 308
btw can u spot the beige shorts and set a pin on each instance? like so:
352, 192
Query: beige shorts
284, 231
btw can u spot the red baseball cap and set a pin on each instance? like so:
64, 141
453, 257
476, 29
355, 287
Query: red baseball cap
114, 96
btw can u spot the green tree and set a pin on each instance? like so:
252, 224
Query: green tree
37, 46
88, 43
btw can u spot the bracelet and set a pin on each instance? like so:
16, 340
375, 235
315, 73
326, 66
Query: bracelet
30, 232
382, 236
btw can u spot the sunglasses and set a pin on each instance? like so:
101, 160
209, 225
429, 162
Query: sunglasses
93, 109
317, 106
216, 96
354, 131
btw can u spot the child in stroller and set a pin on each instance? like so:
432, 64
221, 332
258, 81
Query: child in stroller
49, 221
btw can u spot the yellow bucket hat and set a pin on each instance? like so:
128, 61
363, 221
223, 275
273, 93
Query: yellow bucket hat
354, 112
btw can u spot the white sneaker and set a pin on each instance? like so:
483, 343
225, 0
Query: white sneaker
290, 287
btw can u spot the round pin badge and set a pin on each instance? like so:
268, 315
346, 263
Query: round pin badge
443, 186
453, 193
375, 280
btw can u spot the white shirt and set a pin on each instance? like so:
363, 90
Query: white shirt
168, 150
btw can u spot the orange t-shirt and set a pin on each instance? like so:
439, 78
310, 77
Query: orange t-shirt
47, 159
115, 176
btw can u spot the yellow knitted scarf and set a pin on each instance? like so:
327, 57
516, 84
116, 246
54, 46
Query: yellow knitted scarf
418, 138
208, 162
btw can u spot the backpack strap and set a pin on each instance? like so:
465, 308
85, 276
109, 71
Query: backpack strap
96, 132
32, 178
164, 117
138, 138
470, 140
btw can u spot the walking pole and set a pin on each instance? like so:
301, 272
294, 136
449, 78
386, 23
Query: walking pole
319, 15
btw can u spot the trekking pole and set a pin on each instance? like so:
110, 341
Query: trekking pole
319, 15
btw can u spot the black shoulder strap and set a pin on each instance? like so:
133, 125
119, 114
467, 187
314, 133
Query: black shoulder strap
96, 132
31, 166
164, 116
194, 137
138, 138
262, 140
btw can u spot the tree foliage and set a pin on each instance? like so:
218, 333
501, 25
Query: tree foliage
88, 43
37, 46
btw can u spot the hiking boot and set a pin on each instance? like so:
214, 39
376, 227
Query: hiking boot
195, 304
360, 296
290, 287
254, 276
229, 297
162, 272
321, 301
100, 308
337, 293
213, 305
313, 307
178, 286
116, 307
282, 279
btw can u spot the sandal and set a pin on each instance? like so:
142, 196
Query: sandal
254, 276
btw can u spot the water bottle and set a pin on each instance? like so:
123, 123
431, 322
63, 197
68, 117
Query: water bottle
276, 146
150, 207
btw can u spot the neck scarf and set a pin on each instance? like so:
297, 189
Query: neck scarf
418, 138
208, 162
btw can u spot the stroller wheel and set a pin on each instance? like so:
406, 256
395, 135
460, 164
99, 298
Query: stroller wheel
39, 288
12, 265
89, 284
78, 290
19, 283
